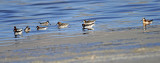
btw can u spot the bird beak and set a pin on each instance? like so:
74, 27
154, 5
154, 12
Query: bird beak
141, 21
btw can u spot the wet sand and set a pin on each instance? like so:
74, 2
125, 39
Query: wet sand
125, 45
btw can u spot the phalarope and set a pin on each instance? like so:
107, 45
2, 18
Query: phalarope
89, 21
88, 26
41, 28
45, 23
146, 22
62, 25
17, 31
27, 29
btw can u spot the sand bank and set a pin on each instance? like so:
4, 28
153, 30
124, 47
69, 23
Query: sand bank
127, 45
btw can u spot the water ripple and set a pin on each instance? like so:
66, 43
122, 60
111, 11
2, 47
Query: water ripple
134, 5
8, 11
53, 3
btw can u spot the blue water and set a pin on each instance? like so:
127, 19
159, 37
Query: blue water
107, 13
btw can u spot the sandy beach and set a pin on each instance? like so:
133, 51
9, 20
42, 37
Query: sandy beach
123, 45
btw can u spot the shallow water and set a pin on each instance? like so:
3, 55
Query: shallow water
110, 15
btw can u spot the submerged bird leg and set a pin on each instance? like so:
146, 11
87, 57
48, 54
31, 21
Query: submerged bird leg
144, 27
15, 36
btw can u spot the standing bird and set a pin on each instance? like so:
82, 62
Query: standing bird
62, 25
146, 22
45, 23
27, 29
17, 31
89, 21
41, 28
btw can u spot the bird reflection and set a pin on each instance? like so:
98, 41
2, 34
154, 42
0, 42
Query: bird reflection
87, 27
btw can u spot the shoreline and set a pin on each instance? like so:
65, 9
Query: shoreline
97, 45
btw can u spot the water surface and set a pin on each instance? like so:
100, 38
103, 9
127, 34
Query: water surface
110, 15
107, 13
